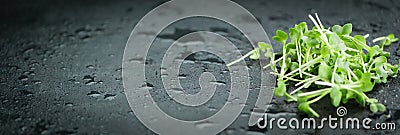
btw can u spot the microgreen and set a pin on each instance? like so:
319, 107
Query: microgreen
327, 62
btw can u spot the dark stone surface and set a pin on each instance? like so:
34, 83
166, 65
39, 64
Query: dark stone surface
61, 63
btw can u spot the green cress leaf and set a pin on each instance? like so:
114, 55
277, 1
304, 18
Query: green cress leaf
336, 42
347, 29
336, 96
325, 51
349, 95
373, 51
305, 107
325, 72
294, 34
390, 39
281, 89
366, 84
373, 108
360, 39
280, 37
381, 107
337, 29
255, 55
339, 78
282, 34
294, 66
380, 60
372, 100
264, 46
360, 99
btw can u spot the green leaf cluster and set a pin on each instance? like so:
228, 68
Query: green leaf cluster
328, 61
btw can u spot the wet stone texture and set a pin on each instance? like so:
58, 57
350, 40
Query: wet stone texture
61, 64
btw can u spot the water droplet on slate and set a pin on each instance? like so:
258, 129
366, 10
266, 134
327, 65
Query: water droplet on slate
182, 76
18, 119
230, 131
88, 77
244, 115
109, 96
203, 124
36, 82
149, 84
69, 104
136, 60
90, 66
28, 50
212, 108
218, 82
27, 93
23, 128
23, 78
29, 73
254, 133
94, 94
90, 82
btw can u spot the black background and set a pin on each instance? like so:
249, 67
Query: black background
61, 62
